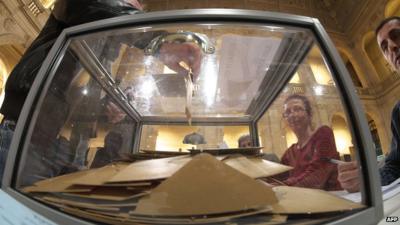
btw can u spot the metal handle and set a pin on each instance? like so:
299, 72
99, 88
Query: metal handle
178, 38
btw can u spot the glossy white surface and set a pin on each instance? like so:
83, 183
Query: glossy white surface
391, 209
14, 213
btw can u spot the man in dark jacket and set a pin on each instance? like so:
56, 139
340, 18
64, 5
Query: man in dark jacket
388, 37
66, 13
110, 152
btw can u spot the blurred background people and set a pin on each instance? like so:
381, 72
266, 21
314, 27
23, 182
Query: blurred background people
245, 141
110, 151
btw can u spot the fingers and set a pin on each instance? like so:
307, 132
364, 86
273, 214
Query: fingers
171, 54
348, 171
351, 185
349, 176
195, 60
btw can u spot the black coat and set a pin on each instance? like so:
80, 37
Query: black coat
391, 170
66, 13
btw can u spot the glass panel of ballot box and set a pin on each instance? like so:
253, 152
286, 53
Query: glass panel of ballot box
193, 117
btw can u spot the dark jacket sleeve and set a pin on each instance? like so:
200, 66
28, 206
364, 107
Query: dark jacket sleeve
391, 170
75, 12
66, 13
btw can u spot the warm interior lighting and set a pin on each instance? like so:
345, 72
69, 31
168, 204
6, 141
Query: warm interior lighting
342, 135
170, 138
3, 77
318, 90
321, 74
233, 133
295, 79
47, 3
343, 141
392, 8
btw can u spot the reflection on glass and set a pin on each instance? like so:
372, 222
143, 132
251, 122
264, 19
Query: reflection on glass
314, 148
75, 119
227, 82
106, 93
297, 116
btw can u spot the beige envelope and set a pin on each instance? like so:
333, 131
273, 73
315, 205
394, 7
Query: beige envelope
151, 169
56, 184
205, 186
65, 183
114, 194
256, 167
296, 200
54, 200
101, 175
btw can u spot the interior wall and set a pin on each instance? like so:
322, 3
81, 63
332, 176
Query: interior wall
392, 8
9, 57
3, 77
342, 135
375, 56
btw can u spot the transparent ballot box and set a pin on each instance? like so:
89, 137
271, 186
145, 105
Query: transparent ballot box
193, 117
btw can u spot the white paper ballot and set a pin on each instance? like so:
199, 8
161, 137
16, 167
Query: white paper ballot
14, 213
391, 190
388, 191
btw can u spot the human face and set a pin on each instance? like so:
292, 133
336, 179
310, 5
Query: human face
388, 39
294, 111
246, 143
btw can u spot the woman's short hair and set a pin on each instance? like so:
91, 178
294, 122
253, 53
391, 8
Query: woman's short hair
305, 101
243, 138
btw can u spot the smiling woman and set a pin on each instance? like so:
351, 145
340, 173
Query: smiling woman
305, 156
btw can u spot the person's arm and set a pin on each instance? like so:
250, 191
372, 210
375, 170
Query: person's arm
171, 54
349, 174
75, 12
318, 171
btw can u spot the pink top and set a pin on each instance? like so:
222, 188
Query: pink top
310, 170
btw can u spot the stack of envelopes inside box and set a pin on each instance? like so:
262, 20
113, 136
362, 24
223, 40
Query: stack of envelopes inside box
184, 190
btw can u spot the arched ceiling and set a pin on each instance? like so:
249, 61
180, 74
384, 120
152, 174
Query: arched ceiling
337, 16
